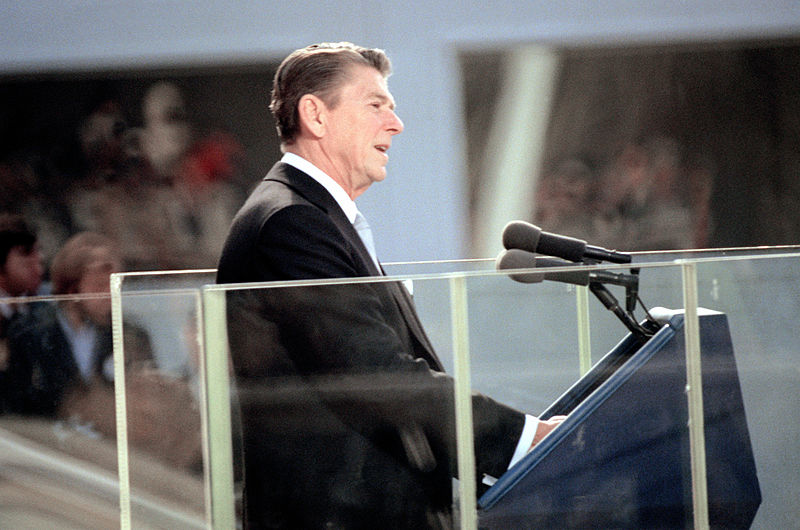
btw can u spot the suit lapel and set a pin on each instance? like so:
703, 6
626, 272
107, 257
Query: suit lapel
406, 305
314, 192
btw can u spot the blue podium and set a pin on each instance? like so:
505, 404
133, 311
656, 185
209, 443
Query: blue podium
621, 458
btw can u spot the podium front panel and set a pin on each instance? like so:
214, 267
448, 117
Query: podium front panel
621, 459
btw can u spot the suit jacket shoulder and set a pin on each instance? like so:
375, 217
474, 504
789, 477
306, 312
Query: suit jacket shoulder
290, 228
41, 364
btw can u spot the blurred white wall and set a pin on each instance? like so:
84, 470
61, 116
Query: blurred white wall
420, 211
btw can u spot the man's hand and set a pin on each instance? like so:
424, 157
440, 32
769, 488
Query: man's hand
544, 428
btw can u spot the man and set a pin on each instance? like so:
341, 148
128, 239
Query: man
347, 414
21, 273
67, 348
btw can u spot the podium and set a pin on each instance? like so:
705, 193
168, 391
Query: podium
621, 458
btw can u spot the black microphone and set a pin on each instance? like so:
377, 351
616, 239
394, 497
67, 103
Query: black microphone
520, 259
525, 236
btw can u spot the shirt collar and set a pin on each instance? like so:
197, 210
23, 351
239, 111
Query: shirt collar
341, 197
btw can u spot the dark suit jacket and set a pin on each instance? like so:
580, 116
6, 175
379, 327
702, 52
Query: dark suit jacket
42, 368
347, 414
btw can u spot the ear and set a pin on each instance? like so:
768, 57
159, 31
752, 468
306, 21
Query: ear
312, 113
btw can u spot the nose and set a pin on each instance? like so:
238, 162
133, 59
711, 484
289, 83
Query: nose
395, 123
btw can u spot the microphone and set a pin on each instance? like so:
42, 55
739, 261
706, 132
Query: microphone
520, 259
525, 236
596, 280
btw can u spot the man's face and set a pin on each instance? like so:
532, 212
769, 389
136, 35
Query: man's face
23, 271
359, 130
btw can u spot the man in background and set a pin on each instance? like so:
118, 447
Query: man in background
66, 347
21, 271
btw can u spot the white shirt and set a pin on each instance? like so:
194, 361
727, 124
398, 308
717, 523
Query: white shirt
341, 197
83, 342
350, 210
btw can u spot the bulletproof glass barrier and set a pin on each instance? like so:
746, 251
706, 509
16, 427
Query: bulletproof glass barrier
683, 424
59, 426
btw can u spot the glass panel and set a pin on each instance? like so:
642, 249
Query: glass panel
761, 299
163, 398
522, 345
57, 446
523, 342
337, 418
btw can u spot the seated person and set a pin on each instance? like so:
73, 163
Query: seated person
61, 362
20, 275
68, 344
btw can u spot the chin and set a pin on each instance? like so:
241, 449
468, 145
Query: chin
378, 175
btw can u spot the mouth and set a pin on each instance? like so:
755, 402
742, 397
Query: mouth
382, 148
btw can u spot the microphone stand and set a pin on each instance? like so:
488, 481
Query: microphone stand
611, 303
632, 291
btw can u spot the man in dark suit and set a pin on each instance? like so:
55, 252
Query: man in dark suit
347, 413
62, 351
20, 275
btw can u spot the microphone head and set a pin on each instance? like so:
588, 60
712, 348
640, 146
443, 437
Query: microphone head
521, 235
519, 259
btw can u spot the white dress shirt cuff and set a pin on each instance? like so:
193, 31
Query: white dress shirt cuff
525, 439
523, 446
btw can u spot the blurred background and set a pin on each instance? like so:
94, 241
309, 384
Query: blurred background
635, 125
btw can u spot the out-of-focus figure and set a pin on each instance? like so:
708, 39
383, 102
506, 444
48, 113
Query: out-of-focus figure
67, 347
62, 365
21, 273
162, 191
166, 134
